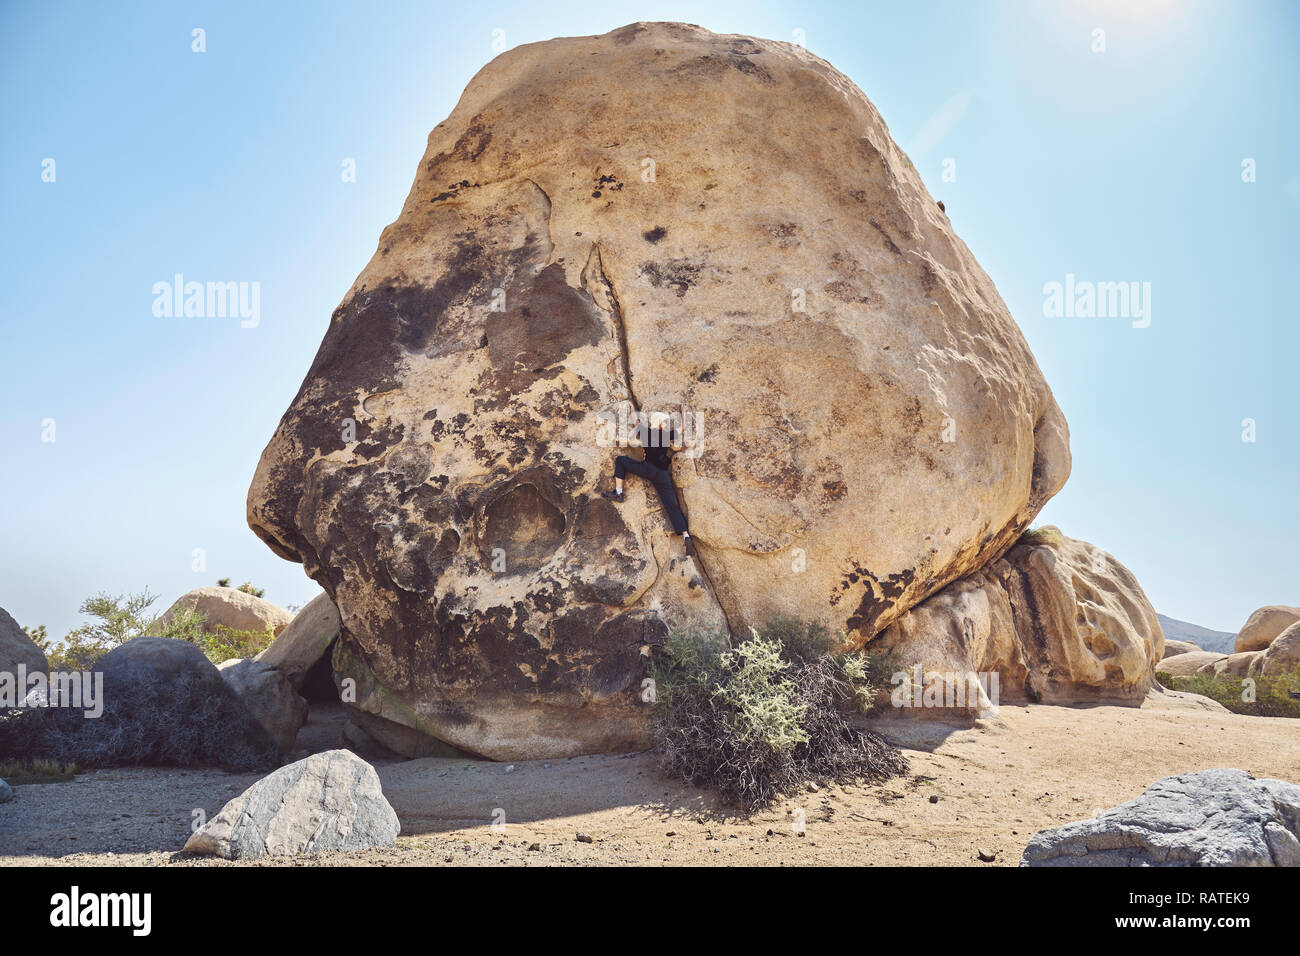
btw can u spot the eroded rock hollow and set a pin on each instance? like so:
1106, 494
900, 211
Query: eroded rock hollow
656, 217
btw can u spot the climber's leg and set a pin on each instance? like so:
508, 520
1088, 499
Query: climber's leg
623, 465
663, 483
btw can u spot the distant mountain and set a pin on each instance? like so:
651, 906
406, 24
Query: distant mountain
1204, 638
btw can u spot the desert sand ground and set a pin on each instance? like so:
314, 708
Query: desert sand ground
987, 787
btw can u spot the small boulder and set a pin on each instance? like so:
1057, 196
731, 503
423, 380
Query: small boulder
1234, 665
1218, 817
17, 648
227, 607
1265, 624
329, 801
269, 696
1174, 648
6, 792
305, 641
1193, 662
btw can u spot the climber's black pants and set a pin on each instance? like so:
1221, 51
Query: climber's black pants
662, 481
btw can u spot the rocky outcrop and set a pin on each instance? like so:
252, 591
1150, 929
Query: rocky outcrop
269, 696
329, 801
227, 607
1209, 818
17, 648
1265, 624
305, 641
389, 720
1057, 619
583, 238
1174, 648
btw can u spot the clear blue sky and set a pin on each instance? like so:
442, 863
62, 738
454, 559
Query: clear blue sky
225, 165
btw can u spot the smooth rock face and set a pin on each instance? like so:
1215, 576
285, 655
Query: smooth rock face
1265, 624
1174, 648
17, 648
1282, 654
227, 607
329, 801
1196, 662
269, 696
1058, 619
1210, 818
305, 641
583, 236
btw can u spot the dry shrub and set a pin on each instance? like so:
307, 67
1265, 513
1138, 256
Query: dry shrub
763, 718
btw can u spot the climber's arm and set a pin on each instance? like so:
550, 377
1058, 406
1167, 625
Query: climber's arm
684, 437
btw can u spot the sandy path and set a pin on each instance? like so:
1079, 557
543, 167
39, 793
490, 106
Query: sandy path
996, 784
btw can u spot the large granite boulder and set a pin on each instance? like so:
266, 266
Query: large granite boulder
1216, 817
305, 641
1263, 625
17, 648
329, 801
1281, 656
583, 238
1174, 648
269, 696
1058, 620
227, 607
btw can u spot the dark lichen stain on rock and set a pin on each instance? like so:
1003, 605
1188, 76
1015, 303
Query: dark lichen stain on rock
373, 442
889, 243
677, 274
605, 182
453, 190
655, 234
547, 322
878, 597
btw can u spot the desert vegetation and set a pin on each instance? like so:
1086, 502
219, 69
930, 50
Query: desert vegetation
1275, 695
118, 618
760, 719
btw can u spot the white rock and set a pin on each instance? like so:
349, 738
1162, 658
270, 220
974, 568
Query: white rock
1218, 817
330, 801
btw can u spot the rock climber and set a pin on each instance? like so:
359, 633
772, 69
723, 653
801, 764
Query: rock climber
660, 436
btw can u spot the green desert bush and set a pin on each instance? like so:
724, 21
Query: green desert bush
123, 617
116, 619
247, 587
226, 643
1276, 695
760, 719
